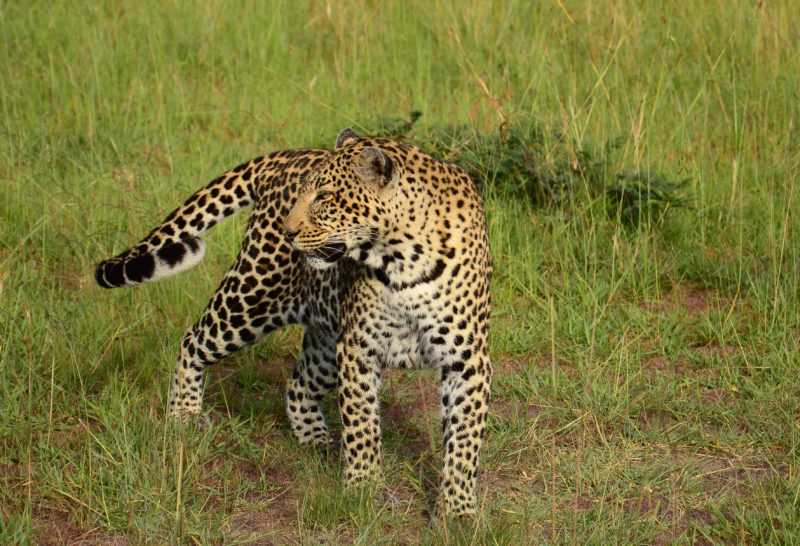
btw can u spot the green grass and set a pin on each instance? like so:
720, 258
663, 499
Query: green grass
647, 380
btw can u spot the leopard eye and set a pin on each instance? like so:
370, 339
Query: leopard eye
324, 195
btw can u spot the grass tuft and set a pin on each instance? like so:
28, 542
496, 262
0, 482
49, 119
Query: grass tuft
521, 160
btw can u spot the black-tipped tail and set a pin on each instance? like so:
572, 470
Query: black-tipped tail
169, 259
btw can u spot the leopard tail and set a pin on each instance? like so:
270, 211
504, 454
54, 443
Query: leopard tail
175, 245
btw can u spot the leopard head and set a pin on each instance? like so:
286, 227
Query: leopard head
341, 206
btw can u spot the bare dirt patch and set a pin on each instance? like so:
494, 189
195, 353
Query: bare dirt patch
713, 348
693, 300
410, 407
56, 526
268, 519
226, 394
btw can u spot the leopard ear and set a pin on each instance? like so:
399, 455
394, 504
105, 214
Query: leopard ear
374, 166
345, 136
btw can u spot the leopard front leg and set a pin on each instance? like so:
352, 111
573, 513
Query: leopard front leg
359, 385
313, 377
465, 403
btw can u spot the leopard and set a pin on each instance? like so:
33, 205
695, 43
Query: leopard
381, 252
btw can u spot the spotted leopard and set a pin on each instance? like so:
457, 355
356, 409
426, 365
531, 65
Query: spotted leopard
381, 252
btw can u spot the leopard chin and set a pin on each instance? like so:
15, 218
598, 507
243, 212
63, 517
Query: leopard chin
326, 255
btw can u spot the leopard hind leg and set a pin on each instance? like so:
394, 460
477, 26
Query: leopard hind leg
247, 305
221, 331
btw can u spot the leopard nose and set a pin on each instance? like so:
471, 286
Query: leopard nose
290, 234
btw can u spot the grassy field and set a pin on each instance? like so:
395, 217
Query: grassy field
647, 386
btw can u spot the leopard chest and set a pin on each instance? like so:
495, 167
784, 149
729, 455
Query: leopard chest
404, 331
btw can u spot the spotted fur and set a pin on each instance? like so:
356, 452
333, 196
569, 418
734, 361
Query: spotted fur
381, 252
